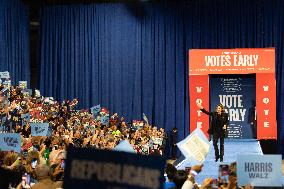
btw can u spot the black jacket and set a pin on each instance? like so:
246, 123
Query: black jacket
216, 127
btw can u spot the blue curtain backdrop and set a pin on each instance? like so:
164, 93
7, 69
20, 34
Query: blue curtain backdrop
14, 40
134, 58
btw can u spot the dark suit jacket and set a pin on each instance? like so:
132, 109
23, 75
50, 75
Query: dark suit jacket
216, 127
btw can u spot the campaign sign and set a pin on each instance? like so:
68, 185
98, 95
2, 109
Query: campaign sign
91, 168
25, 118
96, 109
3, 120
259, 170
4, 75
195, 147
40, 129
10, 142
7, 84
23, 84
124, 146
104, 120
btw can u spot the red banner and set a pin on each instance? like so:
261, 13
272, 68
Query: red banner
199, 90
231, 61
266, 106
261, 61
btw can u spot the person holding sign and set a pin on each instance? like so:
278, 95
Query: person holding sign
217, 128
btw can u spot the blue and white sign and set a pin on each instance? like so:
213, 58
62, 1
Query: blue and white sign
124, 146
259, 170
195, 147
3, 120
40, 129
28, 91
4, 75
23, 84
104, 120
10, 142
95, 109
91, 168
25, 118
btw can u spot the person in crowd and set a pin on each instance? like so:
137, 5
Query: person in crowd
42, 173
180, 177
174, 141
218, 128
70, 126
170, 172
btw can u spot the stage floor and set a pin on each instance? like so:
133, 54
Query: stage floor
232, 148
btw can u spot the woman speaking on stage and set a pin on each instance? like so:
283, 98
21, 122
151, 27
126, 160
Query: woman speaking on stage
217, 128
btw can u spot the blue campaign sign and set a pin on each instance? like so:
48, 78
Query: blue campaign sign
3, 120
104, 120
96, 109
195, 147
4, 75
25, 118
40, 129
124, 146
259, 170
10, 142
91, 168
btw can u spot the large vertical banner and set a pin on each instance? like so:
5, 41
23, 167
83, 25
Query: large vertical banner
266, 106
199, 94
239, 95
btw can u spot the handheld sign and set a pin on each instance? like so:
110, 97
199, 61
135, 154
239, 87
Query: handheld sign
7, 84
4, 75
10, 142
23, 84
195, 146
90, 168
25, 118
104, 120
96, 109
124, 146
145, 119
259, 170
40, 129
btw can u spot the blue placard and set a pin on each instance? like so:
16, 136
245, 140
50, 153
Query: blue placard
3, 120
198, 140
259, 170
40, 129
25, 118
95, 109
10, 142
91, 168
124, 146
104, 120
4, 75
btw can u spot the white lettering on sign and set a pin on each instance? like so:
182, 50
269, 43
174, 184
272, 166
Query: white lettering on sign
199, 113
199, 125
198, 89
240, 60
265, 100
111, 172
199, 101
265, 88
